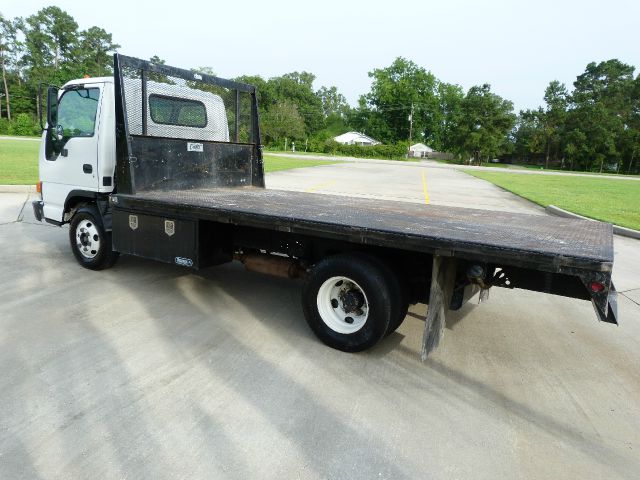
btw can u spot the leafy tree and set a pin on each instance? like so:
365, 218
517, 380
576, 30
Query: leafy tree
333, 102
554, 117
630, 141
486, 120
50, 36
361, 118
283, 121
447, 117
49, 39
594, 127
603, 111
297, 88
528, 136
397, 92
92, 53
9, 47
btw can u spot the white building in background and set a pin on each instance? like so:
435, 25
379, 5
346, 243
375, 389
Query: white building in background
355, 138
420, 150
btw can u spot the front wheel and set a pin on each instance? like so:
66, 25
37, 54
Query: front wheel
347, 302
90, 243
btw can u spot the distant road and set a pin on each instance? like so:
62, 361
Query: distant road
434, 164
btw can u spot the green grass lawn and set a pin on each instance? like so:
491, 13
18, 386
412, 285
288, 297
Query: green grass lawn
274, 164
18, 162
581, 172
484, 164
609, 200
495, 165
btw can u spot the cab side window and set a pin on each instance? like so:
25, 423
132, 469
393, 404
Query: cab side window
77, 112
181, 112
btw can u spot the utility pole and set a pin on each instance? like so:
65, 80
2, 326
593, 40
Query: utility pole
411, 123
410, 127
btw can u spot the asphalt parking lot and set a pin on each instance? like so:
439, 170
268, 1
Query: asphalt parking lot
153, 371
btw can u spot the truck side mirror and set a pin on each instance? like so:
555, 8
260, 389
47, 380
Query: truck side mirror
52, 107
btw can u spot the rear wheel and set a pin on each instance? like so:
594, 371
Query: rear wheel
90, 243
347, 302
395, 324
397, 287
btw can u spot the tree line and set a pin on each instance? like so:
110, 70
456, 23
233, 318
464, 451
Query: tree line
46, 47
594, 127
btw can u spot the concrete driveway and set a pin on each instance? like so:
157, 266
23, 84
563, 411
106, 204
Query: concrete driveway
152, 371
407, 182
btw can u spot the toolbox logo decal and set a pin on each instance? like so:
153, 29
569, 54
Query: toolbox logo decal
194, 147
185, 262
169, 227
133, 222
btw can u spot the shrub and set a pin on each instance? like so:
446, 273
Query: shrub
24, 125
4, 126
397, 151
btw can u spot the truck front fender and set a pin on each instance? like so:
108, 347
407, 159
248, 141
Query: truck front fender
75, 198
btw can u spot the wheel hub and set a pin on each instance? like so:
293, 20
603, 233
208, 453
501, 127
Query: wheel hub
342, 305
352, 300
87, 239
84, 239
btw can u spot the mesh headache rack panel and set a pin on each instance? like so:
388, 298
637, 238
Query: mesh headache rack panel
180, 129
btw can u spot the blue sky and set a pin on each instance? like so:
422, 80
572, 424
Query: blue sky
517, 47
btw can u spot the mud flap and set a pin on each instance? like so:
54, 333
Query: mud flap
604, 301
443, 277
610, 312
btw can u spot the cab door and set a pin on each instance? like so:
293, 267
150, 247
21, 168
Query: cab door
71, 148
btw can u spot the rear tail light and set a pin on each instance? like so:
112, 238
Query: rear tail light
597, 287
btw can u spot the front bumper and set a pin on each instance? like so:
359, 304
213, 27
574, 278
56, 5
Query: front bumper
38, 209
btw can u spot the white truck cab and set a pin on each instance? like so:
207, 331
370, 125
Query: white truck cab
77, 159
77, 156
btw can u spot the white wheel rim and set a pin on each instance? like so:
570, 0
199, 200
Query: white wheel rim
87, 239
343, 305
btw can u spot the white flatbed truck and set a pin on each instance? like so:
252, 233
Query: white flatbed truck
166, 164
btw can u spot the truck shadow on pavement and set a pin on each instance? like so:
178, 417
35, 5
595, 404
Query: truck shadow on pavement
251, 361
276, 318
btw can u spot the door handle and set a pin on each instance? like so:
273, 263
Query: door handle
87, 168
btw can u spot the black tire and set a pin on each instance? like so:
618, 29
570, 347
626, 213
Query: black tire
87, 221
363, 274
403, 302
395, 324
397, 288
